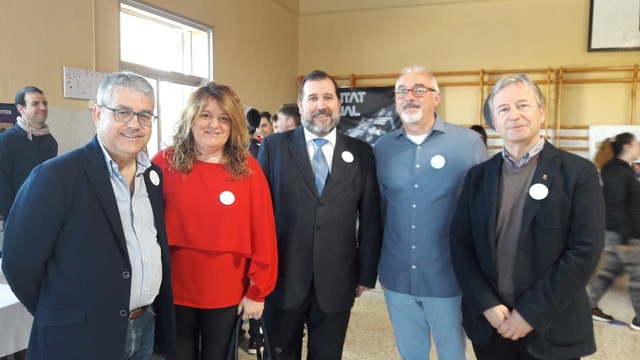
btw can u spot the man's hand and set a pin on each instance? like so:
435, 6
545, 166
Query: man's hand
515, 327
360, 289
496, 315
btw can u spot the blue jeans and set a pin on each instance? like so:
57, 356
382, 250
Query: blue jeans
416, 318
140, 335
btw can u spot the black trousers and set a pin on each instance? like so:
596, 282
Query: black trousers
326, 331
499, 348
204, 334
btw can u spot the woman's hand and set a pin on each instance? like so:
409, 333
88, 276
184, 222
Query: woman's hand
252, 309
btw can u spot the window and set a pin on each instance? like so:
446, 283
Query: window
173, 53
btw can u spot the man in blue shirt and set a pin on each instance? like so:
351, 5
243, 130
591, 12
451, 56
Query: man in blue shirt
421, 168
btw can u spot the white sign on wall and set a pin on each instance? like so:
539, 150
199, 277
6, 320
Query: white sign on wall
81, 83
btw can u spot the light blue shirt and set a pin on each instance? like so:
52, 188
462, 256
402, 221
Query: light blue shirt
419, 186
327, 149
139, 229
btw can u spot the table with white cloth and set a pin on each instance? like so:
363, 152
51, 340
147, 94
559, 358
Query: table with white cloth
15, 321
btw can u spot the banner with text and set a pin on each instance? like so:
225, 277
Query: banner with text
368, 112
8, 115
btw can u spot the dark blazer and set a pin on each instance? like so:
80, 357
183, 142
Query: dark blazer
66, 259
317, 235
560, 243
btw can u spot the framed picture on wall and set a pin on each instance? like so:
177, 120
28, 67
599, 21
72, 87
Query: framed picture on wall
614, 25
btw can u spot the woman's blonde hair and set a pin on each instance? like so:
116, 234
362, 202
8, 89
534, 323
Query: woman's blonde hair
183, 154
604, 154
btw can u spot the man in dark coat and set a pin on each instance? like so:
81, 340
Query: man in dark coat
85, 247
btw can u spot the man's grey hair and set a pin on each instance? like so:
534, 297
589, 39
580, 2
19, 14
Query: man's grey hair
516, 79
421, 69
123, 80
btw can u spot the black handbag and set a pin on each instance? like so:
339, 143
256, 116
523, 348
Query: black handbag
233, 350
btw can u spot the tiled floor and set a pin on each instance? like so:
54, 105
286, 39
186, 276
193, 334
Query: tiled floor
370, 336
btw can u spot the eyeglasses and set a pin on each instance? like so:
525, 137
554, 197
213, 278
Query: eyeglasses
124, 116
418, 91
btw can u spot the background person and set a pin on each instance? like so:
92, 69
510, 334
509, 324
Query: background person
288, 118
86, 249
480, 130
253, 122
220, 268
622, 239
265, 128
24, 146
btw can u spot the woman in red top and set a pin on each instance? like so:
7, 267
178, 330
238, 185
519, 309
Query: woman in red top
219, 221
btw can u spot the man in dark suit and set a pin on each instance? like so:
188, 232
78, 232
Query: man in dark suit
323, 184
526, 237
85, 246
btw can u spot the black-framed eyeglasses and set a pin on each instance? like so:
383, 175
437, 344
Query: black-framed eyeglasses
126, 115
418, 91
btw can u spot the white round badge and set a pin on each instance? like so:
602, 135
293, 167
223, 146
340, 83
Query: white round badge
155, 179
438, 161
538, 191
347, 156
227, 198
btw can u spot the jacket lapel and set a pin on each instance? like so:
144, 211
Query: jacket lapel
98, 175
338, 165
152, 181
298, 150
491, 185
548, 164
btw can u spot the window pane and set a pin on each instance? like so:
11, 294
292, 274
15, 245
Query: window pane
160, 43
172, 98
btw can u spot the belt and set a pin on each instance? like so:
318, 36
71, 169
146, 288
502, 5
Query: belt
134, 314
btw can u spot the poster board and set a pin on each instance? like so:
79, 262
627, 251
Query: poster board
81, 83
367, 112
8, 115
614, 25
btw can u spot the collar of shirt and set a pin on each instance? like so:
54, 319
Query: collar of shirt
142, 159
327, 150
524, 158
438, 125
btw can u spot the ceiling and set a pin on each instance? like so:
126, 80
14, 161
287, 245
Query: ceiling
314, 7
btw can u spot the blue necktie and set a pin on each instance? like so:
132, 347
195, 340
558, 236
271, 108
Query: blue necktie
320, 166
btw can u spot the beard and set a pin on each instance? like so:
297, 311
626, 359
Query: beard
411, 118
321, 130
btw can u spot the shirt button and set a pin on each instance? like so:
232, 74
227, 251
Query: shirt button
415, 186
413, 206
413, 247
418, 166
123, 312
413, 266
419, 147
413, 226
126, 275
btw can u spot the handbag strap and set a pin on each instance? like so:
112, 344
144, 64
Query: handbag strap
262, 333
267, 346
233, 349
